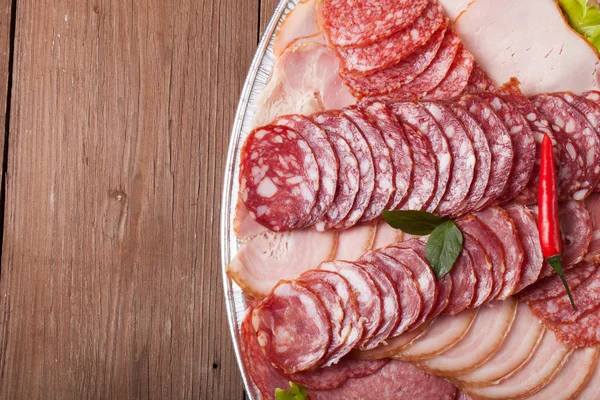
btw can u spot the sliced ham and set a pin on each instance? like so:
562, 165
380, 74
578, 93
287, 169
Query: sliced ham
301, 22
386, 235
354, 242
393, 345
244, 226
591, 390
271, 257
453, 8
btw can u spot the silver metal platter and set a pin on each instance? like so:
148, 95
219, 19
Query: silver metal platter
257, 77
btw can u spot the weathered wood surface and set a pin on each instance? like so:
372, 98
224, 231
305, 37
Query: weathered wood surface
119, 125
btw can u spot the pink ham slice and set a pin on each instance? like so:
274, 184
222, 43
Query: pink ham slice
543, 366
487, 333
244, 226
518, 346
386, 235
354, 242
301, 22
592, 204
392, 346
591, 390
271, 257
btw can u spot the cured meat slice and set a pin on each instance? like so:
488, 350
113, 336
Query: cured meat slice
279, 183
491, 245
482, 266
541, 368
483, 156
325, 158
392, 346
572, 377
453, 9
348, 183
533, 260
583, 333
400, 151
358, 23
244, 226
387, 235
362, 151
463, 159
591, 390
523, 145
387, 383
389, 51
524, 336
551, 286
294, 341
393, 77
335, 376
500, 146
367, 295
354, 242
299, 23
462, 395
270, 257
406, 286
479, 81
464, 282
457, 78
391, 312
488, 331
592, 205
500, 223
420, 120
384, 188
444, 287
443, 333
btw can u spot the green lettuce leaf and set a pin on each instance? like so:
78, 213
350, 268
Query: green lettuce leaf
584, 18
296, 392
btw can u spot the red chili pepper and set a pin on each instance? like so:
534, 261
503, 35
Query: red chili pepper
548, 225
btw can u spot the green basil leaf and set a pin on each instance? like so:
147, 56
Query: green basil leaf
296, 392
443, 248
413, 222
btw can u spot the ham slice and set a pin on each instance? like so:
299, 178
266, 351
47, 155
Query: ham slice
393, 345
529, 40
271, 257
354, 242
591, 391
386, 235
244, 226
453, 8
301, 22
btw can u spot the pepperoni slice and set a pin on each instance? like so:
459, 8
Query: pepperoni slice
457, 78
583, 333
552, 286
482, 266
279, 178
592, 204
464, 282
479, 81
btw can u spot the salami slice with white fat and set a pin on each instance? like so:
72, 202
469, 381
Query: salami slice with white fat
463, 159
348, 183
592, 204
389, 51
585, 332
482, 266
444, 287
362, 152
384, 176
479, 81
421, 121
279, 178
464, 283
457, 78
552, 286
401, 155
292, 341
358, 23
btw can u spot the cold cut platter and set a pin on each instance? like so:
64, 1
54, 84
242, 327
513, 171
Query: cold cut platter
411, 205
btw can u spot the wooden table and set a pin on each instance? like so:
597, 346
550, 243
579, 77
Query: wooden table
117, 117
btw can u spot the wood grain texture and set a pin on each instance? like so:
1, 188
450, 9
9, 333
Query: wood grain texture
121, 112
267, 7
5, 36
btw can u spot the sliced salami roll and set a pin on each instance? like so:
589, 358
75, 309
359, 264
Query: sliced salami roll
420, 120
358, 23
592, 204
523, 145
498, 221
457, 78
482, 266
384, 175
500, 146
526, 225
479, 81
389, 51
444, 287
400, 150
406, 285
576, 229
464, 283
292, 341
551, 287
362, 152
279, 178
483, 156
348, 183
368, 295
326, 160
393, 77
463, 159
491, 244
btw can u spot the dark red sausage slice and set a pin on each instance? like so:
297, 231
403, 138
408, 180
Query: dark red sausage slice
482, 266
464, 282
552, 286
457, 78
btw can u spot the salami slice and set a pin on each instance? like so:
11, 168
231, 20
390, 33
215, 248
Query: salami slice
552, 286
362, 152
421, 121
326, 160
457, 78
295, 341
384, 177
368, 296
393, 77
500, 146
482, 266
491, 245
533, 260
463, 159
444, 287
483, 157
523, 145
479, 81
464, 282
583, 333
279, 178
592, 204
348, 183
500, 223
389, 51
576, 228
400, 151
358, 23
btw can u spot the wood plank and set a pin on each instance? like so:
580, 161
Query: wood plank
267, 7
111, 285
5, 39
